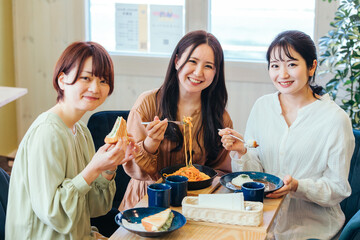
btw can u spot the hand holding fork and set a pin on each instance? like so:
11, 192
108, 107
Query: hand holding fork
176, 122
247, 144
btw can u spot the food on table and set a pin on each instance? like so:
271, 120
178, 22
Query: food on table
269, 186
189, 171
118, 131
192, 173
251, 143
241, 179
187, 122
158, 222
133, 226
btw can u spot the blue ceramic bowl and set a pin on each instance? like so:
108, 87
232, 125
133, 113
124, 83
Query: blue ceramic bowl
135, 215
272, 183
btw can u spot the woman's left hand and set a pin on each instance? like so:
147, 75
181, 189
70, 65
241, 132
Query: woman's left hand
290, 185
123, 152
128, 154
108, 157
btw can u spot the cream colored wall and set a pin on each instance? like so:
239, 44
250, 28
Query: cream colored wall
42, 30
8, 129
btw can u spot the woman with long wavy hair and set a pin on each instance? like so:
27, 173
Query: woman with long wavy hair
194, 86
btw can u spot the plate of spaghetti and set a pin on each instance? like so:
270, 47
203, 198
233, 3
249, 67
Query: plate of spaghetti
181, 169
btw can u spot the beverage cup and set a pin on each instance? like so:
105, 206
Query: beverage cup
179, 186
253, 191
159, 195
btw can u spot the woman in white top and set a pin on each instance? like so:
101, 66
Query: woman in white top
303, 137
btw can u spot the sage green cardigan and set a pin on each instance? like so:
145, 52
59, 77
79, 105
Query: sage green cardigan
48, 198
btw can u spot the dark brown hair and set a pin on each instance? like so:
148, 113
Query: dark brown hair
213, 98
75, 55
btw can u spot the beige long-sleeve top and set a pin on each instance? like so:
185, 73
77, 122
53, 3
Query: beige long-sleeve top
144, 169
48, 197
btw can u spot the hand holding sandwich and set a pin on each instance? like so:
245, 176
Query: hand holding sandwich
109, 157
120, 148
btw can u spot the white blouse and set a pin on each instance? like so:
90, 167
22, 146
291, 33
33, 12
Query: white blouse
316, 150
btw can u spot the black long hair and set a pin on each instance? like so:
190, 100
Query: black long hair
301, 43
213, 98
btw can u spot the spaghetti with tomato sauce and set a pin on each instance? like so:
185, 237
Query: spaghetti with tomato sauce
189, 171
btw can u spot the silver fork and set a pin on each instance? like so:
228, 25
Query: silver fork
241, 140
234, 136
176, 122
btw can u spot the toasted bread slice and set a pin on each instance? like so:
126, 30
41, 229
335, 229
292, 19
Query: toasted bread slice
118, 131
158, 222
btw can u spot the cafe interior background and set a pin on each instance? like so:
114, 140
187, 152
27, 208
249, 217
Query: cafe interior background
33, 33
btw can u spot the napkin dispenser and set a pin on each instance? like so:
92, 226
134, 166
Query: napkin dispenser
253, 216
232, 201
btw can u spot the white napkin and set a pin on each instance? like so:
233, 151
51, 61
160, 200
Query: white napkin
230, 201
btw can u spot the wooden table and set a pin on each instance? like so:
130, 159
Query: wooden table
213, 231
9, 94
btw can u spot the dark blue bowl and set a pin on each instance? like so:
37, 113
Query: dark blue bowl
193, 185
134, 215
272, 183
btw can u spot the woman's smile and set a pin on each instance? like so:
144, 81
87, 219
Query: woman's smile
286, 84
91, 98
194, 81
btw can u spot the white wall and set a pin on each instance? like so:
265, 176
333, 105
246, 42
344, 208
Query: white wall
43, 29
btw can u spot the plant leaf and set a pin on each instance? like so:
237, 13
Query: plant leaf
356, 65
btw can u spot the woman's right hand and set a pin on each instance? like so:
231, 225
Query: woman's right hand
155, 134
230, 143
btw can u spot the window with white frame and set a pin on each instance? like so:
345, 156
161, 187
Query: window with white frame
153, 27
246, 28
137, 26
243, 28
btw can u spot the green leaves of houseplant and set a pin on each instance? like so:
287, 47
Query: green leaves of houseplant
340, 56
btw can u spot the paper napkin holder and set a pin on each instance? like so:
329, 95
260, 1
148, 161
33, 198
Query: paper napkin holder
193, 211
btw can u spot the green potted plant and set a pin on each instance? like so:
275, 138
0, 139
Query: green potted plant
340, 56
